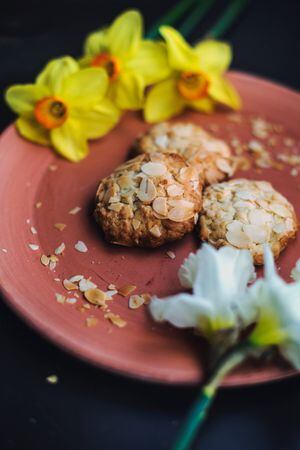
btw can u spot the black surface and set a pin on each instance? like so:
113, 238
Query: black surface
90, 409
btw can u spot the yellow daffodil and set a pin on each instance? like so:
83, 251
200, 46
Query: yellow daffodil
64, 107
130, 62
196, 79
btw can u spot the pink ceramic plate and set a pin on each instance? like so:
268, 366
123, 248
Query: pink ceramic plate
142, 349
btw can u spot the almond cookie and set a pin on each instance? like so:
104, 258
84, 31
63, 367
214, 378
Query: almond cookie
149, 200
212, 157
247, 214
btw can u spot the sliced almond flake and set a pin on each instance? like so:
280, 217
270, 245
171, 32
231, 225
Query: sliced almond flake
180, 214
115, 207
111, 293
135, 301
53, 167
28, 221
126, 290
52, 265
4, 250
170, 254
235, 225
38, 205
91, 321
33, 247
259, 217
246, 195
154, 169
116, 320
53, 258
257, 233
294, 172
60, 249
147, 298
60, 298
33, 230
85, 285
174, 190
147, 190
75, 210
95, 296
111, 286
52, 379
279, 209
280, 227
136, 224
60, 226
155, 231
76, 278
188, 174
69, 285
45, 260
224, 166
160, 206
71, 300
162, 141
57, 280
238, 239
81, 247
290, 225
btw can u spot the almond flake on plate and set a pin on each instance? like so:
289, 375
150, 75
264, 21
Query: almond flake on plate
85, 285
75, 210
38, 205
111, 286
60, 298
76, 278
81, 247
33, 230
52, 167
95, 296
33, 247
126, 290
71, 300
60, 226
60, 249
4, 250
91, 321
111, 293
45, 260
116, 320
135, 301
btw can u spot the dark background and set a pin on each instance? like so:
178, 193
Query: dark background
90, 409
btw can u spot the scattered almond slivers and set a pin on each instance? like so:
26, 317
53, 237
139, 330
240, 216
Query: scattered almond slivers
38, 205
60, 298
60, 249
33, 247
126, 290
33, 230
81, 247
170, 254
135, 301
45, 260
91, 321
116, 320
69, 285
60, 226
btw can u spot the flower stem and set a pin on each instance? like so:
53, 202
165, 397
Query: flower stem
170, 17
201, 406
222, 25
195, 16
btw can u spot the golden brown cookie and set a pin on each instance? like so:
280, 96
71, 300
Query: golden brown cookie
149, 200
247, 214
211, 156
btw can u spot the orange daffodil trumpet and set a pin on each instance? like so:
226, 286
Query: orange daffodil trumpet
131, 63
196, 79
64, 108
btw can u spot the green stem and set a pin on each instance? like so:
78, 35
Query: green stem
195, 16
233, 10
170, 17
201, 406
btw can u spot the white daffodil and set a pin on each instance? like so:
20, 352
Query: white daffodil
219, 280
295, 273
277, 305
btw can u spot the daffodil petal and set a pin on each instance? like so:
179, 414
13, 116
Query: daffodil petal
163, 102
97, 121
55, 72
86, 87
70, 141
22, 98
180, 54
214, 56
96, 43
222, 91
125, 34
127, 92
150, 62
202, 104
31, 130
